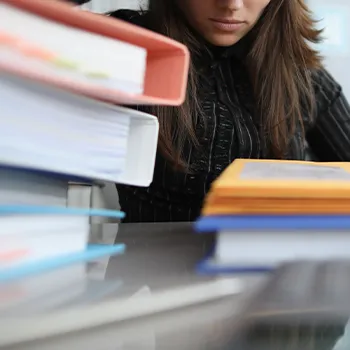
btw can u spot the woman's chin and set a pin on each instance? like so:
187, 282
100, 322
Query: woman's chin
223, 39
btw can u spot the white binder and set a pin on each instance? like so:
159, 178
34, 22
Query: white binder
48, 129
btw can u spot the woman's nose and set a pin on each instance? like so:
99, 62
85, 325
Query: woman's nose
231, 4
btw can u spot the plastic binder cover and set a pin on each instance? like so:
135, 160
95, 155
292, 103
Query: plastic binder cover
167, 60
56, 131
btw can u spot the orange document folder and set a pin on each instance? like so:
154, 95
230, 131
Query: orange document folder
167, 60
280, 187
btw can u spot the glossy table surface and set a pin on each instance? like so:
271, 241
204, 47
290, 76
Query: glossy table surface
163, 256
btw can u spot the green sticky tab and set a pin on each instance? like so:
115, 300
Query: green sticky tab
96, 74
65, 63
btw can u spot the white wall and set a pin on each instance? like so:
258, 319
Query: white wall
334, 16
102, 6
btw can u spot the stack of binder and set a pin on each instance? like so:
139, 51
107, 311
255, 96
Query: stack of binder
63, 73
266, 212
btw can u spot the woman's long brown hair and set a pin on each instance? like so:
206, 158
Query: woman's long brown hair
280, 62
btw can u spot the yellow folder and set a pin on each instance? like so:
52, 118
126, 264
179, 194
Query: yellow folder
280, 187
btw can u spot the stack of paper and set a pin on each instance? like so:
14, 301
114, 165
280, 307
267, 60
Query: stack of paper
62, 72
56, 131
268, 211
51, 47
57, 58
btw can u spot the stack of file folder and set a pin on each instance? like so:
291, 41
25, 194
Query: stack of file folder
266, 212
63, 73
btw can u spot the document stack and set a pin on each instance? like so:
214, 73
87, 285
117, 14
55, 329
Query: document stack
63, 73
267, 212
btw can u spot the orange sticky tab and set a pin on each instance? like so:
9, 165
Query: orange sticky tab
12, 255
8, 39
35, 51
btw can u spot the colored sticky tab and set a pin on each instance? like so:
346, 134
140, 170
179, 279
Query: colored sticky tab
35, 52
64, 63
9, 256
96, 74
8, 39
93, 71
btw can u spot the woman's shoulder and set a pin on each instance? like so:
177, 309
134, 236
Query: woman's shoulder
325, 85
139, 18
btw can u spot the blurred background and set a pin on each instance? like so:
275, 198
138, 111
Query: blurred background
108, 5
334, 17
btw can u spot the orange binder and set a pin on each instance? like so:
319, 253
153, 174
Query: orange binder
253, 187
275, 206
167, 60
252, 178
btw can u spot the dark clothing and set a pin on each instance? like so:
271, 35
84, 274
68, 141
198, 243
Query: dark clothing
231, 131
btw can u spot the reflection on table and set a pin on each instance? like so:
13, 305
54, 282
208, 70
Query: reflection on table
162, 257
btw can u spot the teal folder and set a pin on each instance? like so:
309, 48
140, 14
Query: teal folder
43, 210
91, 253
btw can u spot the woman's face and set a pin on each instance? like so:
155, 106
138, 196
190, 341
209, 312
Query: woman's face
223, 22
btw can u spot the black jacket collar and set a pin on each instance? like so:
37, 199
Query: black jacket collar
209, 54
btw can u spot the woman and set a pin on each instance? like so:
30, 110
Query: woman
257, 89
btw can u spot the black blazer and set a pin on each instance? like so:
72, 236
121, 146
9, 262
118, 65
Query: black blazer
78, 2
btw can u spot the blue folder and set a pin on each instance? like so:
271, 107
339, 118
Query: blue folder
6, 210
56, 175
91, 253
272, 222
208, 266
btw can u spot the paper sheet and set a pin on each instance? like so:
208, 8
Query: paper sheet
292, 171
